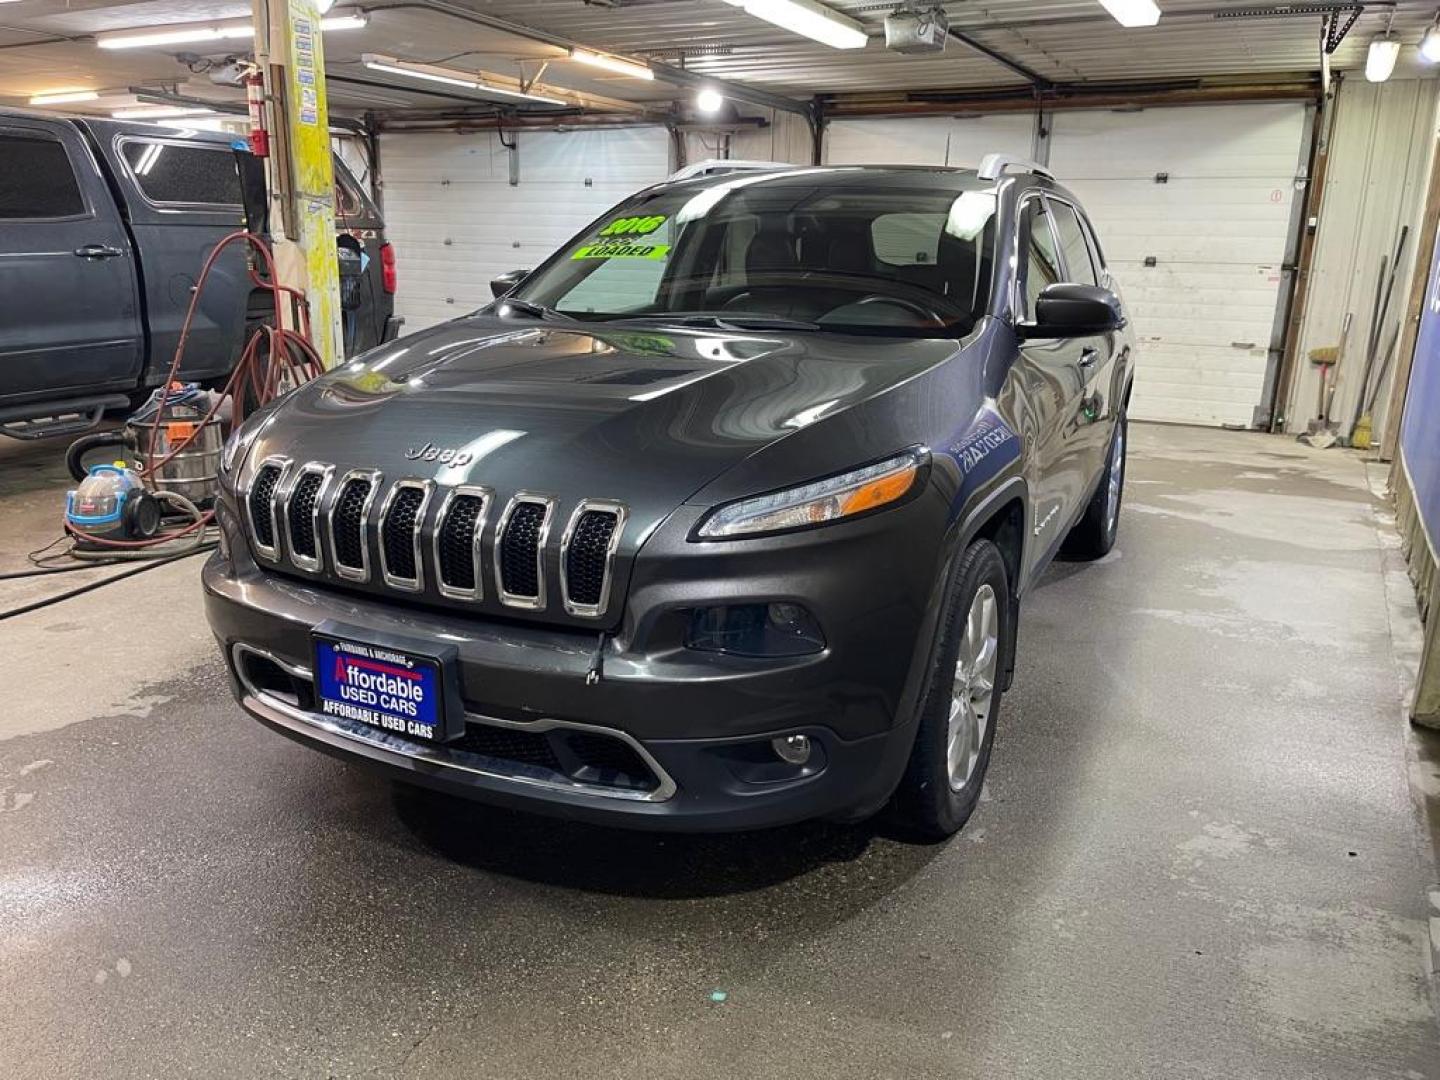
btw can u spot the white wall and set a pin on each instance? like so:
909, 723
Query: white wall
1379, 156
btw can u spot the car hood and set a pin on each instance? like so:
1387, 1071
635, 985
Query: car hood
643, 417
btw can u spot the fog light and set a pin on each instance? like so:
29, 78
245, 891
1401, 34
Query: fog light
755, 630
792, 749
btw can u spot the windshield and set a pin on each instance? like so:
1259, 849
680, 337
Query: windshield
861, 259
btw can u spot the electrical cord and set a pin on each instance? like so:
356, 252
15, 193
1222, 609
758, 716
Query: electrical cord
91, 586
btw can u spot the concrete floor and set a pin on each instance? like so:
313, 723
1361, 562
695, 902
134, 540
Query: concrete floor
1199, 854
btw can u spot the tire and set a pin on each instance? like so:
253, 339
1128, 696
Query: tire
1094, 534
936, 798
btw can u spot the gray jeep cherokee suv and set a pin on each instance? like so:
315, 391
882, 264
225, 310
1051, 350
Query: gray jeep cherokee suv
720, 518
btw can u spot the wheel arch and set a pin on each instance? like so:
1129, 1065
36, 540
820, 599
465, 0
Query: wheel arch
1000, 518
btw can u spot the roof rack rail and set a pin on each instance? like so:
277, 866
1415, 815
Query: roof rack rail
993, 166
716, 166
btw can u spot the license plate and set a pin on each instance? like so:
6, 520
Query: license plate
383, 685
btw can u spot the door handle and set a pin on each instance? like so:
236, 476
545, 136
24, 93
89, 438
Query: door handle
98, 251
1089, 355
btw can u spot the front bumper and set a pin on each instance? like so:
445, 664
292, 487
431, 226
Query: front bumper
700, 730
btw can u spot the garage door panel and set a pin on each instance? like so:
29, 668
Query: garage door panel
1199, 141
1217, 229
927, 140
457, 221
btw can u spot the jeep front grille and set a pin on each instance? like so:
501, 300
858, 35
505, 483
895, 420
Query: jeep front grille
520, 551
338, 525
302, 515
261, 505
350, 525
459, 530
586, 554
401, 520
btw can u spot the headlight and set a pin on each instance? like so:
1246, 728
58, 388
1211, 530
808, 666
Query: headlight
842, 496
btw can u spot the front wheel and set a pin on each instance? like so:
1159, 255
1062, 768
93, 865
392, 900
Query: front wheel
1094, 534
942, 782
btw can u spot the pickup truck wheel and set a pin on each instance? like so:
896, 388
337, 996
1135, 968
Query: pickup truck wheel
1095, 533
942, 782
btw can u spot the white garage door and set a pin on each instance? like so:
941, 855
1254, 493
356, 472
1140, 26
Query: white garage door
928, 140
457, 222
1216, 229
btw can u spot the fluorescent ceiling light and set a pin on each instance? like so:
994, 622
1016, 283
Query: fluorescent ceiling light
159, 112
63, 97
1133, 12
354, 20
810, 19
450, 77
612, 63
191, 33
1380, 60
1430, 42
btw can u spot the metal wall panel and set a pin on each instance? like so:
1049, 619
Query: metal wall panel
456, 220
1216, 227
1378, 163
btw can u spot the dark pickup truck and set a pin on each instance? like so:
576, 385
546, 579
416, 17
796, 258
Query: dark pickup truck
104, 226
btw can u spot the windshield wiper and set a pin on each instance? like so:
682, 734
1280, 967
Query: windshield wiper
726, 320
534, 310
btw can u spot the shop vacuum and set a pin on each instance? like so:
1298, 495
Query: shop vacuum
167, 461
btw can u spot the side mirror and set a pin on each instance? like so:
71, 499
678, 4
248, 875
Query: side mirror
507, 283
1067, 310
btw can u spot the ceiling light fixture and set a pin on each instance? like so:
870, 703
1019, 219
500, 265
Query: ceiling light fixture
809, 19
64, 97
159, 112
191, 33
1430, 41
612, 63
1380, 60
450, 77
1132, 13
709, 101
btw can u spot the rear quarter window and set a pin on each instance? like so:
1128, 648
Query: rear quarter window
175, 173
36, 179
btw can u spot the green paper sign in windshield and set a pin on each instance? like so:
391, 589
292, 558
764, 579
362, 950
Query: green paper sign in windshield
623, 238
622, 249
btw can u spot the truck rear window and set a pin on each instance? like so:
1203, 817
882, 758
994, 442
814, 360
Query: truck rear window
168, 172
36, 180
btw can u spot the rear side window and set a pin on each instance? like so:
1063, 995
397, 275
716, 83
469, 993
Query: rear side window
173, 173
36, 179
1039, 262
1078, 266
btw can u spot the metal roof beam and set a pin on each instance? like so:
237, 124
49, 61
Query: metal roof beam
1009, 63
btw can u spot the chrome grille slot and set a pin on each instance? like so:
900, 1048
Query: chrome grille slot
401, 519
458, 529
520, 551
261, 507
302, 514
587, 556
350, 525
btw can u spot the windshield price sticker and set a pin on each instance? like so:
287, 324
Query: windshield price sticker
633, 226
624, 237
622, 249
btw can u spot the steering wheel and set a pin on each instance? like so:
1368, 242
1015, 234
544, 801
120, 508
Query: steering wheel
914, 307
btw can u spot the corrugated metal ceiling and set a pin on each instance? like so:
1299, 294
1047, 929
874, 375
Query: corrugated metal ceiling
1066, 41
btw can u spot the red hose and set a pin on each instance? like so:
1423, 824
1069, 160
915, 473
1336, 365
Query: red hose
263, 378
